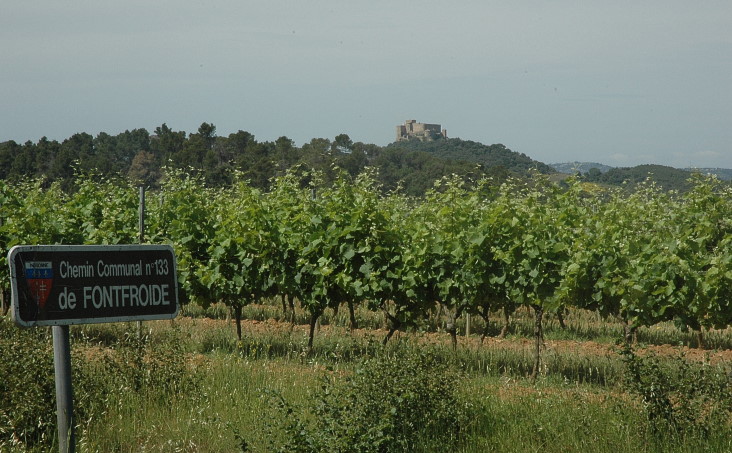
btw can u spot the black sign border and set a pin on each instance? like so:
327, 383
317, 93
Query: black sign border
15, 309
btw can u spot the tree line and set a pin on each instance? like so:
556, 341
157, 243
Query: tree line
141, 156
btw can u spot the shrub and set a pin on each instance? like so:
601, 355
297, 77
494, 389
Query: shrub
27, 387
401, 400
680, 398
150, 366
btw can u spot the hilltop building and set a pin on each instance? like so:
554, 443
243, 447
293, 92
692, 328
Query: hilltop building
412, 130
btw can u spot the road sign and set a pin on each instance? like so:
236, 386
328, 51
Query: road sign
56, 285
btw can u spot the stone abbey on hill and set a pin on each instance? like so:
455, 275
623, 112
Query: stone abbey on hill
412, 130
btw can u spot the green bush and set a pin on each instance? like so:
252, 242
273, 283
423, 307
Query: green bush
680, 398
401, 400
27, 387
151, 366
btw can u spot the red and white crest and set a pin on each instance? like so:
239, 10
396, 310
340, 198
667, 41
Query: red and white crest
39, 275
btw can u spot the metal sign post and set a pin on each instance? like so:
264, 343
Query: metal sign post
141, 239
62, 285
64, 390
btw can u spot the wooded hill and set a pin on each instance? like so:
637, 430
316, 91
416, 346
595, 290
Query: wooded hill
725, 174
409, 166
572, 168
488, 156
668, 178
140, 156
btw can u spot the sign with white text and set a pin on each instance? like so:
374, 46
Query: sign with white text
82, 284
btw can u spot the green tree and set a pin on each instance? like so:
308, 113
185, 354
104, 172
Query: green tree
361, 244
180, 214
619, 260
285, 154
342, 142
25, 162
257, 164
440, 242
144, 170
45, 152
103, 211
354, 162
166, 144
8, 152
239, 270
207, 132
537, 230
76, 152
195, 149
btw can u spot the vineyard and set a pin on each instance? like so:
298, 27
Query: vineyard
645, 257
467, 250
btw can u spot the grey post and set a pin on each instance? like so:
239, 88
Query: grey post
64, 391
142, 215
141, 239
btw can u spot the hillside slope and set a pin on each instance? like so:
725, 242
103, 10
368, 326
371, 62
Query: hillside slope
725, 174
668, 178
582, 167
488, 156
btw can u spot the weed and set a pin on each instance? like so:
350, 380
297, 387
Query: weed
680, 399
401, 399
27, 387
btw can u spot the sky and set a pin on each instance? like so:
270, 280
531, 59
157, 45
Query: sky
618, 82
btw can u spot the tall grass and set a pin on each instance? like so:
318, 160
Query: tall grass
564, 411
551, 418
189, 385
230, 402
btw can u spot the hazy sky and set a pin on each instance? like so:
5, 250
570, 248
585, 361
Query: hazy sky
617, 82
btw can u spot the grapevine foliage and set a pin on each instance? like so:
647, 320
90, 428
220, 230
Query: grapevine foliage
645, 257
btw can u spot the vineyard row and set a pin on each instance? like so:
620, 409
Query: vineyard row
644, 257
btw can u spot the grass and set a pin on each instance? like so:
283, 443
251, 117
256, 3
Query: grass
230, 402
552, 417
577, 404
514, 415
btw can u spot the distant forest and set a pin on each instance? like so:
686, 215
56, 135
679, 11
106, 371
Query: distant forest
668, 178
141, 157
409, 166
